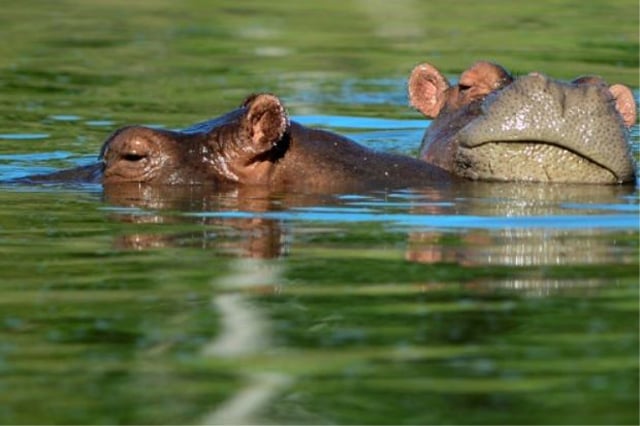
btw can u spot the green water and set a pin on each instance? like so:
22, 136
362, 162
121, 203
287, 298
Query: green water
470, 304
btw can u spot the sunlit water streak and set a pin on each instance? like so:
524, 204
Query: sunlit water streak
245, 331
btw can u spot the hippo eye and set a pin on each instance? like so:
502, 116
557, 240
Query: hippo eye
463, 87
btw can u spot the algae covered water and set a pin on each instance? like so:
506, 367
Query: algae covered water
472, 304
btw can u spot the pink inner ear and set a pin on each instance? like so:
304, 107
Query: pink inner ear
427, 87
625, 103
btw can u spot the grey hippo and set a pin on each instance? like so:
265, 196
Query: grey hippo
492, 126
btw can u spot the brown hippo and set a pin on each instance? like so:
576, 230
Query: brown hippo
491, 126
255, 144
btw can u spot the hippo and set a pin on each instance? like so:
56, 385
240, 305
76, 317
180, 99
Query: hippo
494, 127
255, 144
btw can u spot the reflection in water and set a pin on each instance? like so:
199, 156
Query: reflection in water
244, 237
241, 409
526, 246
539, 287
252, 222
516, 247
245, 331
530, 247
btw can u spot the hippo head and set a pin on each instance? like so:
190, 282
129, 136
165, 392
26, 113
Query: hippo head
232, 148
491, 126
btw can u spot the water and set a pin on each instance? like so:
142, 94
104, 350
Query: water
474, 304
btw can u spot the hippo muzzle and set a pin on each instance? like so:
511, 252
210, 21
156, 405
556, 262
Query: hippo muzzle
538, 129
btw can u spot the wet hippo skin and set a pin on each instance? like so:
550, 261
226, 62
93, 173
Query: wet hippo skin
255, 144
492, 126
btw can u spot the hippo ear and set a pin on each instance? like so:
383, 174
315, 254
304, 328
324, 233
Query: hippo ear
625, 104
427, 89
266, 121
483, 78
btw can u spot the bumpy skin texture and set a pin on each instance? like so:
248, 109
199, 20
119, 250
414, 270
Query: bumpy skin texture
491, 126
255, 144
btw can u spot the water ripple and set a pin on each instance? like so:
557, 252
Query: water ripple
613, 221
23, 136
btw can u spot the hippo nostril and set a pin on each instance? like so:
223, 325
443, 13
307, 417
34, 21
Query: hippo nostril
133, 157
132, 149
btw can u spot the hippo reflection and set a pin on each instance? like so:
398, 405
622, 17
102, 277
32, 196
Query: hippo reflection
255, 144
251, 237
253, 222
491, 126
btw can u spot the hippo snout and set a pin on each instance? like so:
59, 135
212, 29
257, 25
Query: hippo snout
132, 154
560, 126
